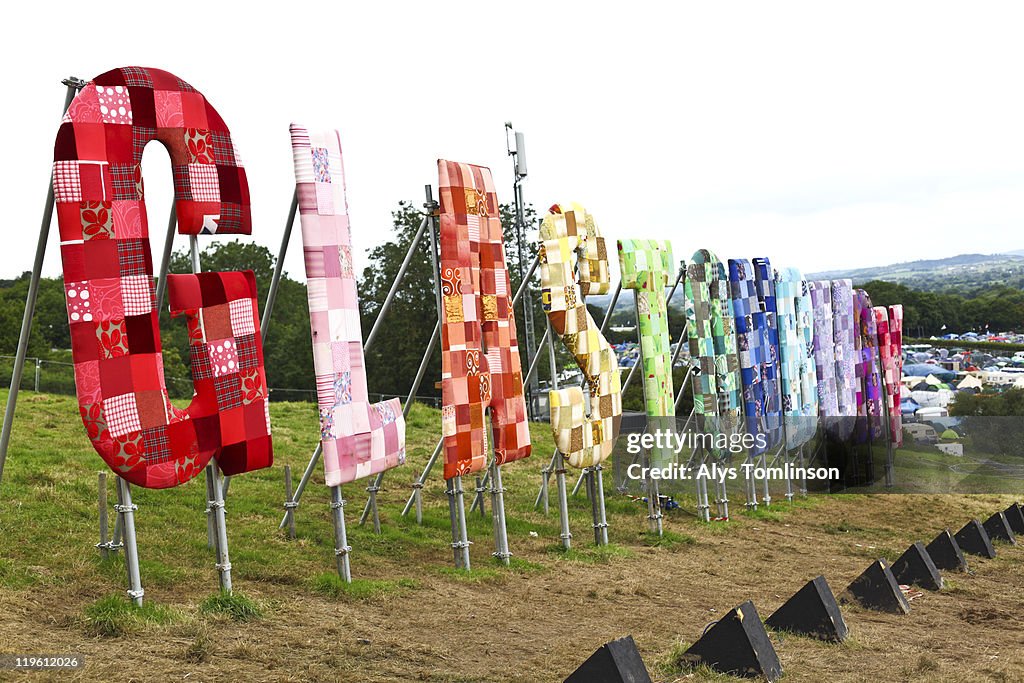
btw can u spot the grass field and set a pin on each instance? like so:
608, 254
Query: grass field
409, 616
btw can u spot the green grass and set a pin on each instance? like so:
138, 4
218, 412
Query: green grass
331, 585
234, 605
115, 616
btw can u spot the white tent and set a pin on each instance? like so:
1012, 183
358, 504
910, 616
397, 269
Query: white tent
970, 382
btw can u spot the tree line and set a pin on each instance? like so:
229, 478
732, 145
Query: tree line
406, 330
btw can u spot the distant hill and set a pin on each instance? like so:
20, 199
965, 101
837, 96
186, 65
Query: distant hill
962, 273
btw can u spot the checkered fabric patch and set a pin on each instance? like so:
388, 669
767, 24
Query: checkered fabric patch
474, 314
109, 274
570, 239
359, 438
121, 414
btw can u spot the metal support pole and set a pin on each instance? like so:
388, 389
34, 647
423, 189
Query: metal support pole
73, 86
341, 546
306, 476
104, 544
39, 369
460, 520
220, 524
602, 518
416, 495
275, 281
542, 495
427, 219
559, 467
498, 513
165, 261
289, 504
703, 504
126, 510
449, 487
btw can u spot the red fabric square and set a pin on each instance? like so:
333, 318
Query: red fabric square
152, 411
143, 334
118, 143
232, 425
116, 376
91, 141
146, 370
100, 260
193, 108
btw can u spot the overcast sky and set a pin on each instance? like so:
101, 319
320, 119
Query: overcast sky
818, 135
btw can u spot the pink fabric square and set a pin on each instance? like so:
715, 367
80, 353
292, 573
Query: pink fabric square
223, 357
168, 109
129, 219
79, 300
324, 198
115, 104
105, 298
242, 318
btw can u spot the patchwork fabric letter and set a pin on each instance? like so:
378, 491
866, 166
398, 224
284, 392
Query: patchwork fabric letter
844, 330
359, 438
480, 365
230, 412
645, 266
890, 351
796, 343
824, 349
869, 391
758, 358
108, 281
570, 239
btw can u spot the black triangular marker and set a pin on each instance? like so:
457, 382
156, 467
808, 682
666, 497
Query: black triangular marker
876, 589
617, 661
812, 611
998, 529
946, 554
737, 644
974, 539
1015, 516
915, 567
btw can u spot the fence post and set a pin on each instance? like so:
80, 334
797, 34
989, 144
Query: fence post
39, 366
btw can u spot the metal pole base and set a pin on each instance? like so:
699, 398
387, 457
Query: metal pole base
460, 538
374, 511
306, 476
602, 520
563, 502
216, 503
126, 511
501, 550
341, 546
418, 486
